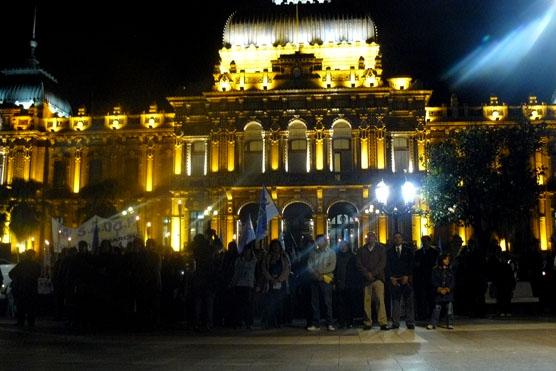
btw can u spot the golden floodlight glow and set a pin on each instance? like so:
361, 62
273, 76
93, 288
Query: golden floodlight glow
364, 153
77, 174
54, 125
400, 83
319, 154
178, 155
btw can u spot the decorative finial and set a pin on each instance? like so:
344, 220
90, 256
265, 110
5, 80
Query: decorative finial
33, 60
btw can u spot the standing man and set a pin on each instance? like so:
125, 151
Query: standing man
371, 262
400, 272
425, 261
25, 276
321, 265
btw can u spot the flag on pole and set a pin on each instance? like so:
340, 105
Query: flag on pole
267, 211
247, 235
96, 243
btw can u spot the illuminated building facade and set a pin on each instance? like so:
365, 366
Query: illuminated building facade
299, 104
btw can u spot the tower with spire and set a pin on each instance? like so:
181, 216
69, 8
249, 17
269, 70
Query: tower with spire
29, 85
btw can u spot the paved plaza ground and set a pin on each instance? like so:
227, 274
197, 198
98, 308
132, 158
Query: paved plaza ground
526, 344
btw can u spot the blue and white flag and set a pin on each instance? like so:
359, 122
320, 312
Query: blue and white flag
247, 235
267, 211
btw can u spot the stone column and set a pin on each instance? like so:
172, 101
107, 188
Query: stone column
178, 156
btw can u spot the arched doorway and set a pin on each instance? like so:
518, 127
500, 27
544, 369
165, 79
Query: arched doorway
297, 224
343, 224
249, 210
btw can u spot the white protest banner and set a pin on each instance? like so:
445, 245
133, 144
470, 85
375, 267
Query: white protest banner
118, 229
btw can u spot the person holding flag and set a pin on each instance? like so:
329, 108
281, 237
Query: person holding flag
267, 211
247, 235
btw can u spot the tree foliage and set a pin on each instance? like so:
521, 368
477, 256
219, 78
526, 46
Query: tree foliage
483, 177
20, 201
100, 198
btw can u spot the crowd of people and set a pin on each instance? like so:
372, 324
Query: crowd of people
144, 286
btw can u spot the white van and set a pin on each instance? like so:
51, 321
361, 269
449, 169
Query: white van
5, 266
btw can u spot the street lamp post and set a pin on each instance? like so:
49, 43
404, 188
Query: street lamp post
395, 208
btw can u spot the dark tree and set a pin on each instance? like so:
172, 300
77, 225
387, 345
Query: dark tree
100, 199
20, 200
483, 177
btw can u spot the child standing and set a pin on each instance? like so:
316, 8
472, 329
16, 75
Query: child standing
443, 284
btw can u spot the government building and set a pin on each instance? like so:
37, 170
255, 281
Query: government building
300, 104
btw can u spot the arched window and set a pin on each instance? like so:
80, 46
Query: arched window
95, 170
341, 145
400, 155
131, 172
297, 147
198, 149
59, 180
253, 148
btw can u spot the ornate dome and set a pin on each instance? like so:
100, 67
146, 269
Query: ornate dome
31, 86
315, 24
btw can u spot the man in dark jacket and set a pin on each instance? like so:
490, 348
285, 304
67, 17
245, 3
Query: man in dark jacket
425, 261
371, 262
400, 272
25, 276
346, 279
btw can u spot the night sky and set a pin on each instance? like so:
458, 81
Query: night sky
105, 53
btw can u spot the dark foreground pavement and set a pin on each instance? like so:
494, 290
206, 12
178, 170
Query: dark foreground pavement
473, 345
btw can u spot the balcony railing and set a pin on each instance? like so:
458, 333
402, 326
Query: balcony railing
275, 178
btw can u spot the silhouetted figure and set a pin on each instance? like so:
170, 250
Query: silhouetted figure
425, 260
150, 285
226, 273
276, 271
25, 277
550, 279
104, 286
531, 266
243, 282
189, 267
302, 281
171, 273
81, 285
504, 283
204, 282
475, 280
58, 282
463, 292
347, 282
454, 247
